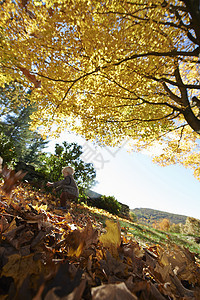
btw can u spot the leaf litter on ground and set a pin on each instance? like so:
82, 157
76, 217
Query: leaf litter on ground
47, 253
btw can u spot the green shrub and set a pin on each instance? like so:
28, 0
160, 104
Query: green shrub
108, 203
133, 217
176, 228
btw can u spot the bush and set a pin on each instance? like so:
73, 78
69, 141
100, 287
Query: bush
163, 225
192, 226
133, 217
108, 203
176, 228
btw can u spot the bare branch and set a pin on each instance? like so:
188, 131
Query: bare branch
180, 137
172, 95
182, 87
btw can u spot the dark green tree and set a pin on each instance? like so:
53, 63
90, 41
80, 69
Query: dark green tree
68, 154
15, 120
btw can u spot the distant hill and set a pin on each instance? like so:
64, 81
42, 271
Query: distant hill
149, 216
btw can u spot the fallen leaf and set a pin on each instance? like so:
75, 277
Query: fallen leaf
11, 179
112, 238
19, 267
112, 266
182, 262
78, 240
3, 224
180, 288
63, 283
164, 272
112, 291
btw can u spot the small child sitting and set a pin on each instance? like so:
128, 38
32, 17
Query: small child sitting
68, 186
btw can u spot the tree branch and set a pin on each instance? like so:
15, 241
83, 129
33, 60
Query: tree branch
142, 120
173, 53
179, 141
164, 134
68, 81
182, 87
172, 95
174, 83
182, 26
133, 99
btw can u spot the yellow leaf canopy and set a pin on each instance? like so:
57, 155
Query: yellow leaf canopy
108, 70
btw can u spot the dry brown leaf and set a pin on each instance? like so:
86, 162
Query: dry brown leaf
181, 289
31, 77
112, 266
19, 267
78, 240
4, 224
133, 250
112, 291
182, 262
11, 179
164, 272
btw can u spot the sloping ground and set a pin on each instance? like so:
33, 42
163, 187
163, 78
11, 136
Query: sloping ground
48, 253
146, 235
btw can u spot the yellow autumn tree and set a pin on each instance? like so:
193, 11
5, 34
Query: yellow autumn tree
109, 70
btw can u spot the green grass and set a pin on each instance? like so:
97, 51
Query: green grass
146, 235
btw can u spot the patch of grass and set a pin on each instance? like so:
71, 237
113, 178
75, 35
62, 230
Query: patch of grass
146, 235
150, 235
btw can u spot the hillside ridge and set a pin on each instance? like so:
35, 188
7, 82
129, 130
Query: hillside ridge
149, 216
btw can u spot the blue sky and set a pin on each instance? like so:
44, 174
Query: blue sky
134, 180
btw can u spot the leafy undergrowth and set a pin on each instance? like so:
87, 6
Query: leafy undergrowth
47, 253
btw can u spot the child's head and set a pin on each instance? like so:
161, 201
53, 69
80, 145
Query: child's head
67, 171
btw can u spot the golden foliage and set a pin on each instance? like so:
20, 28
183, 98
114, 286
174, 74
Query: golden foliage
108, 70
